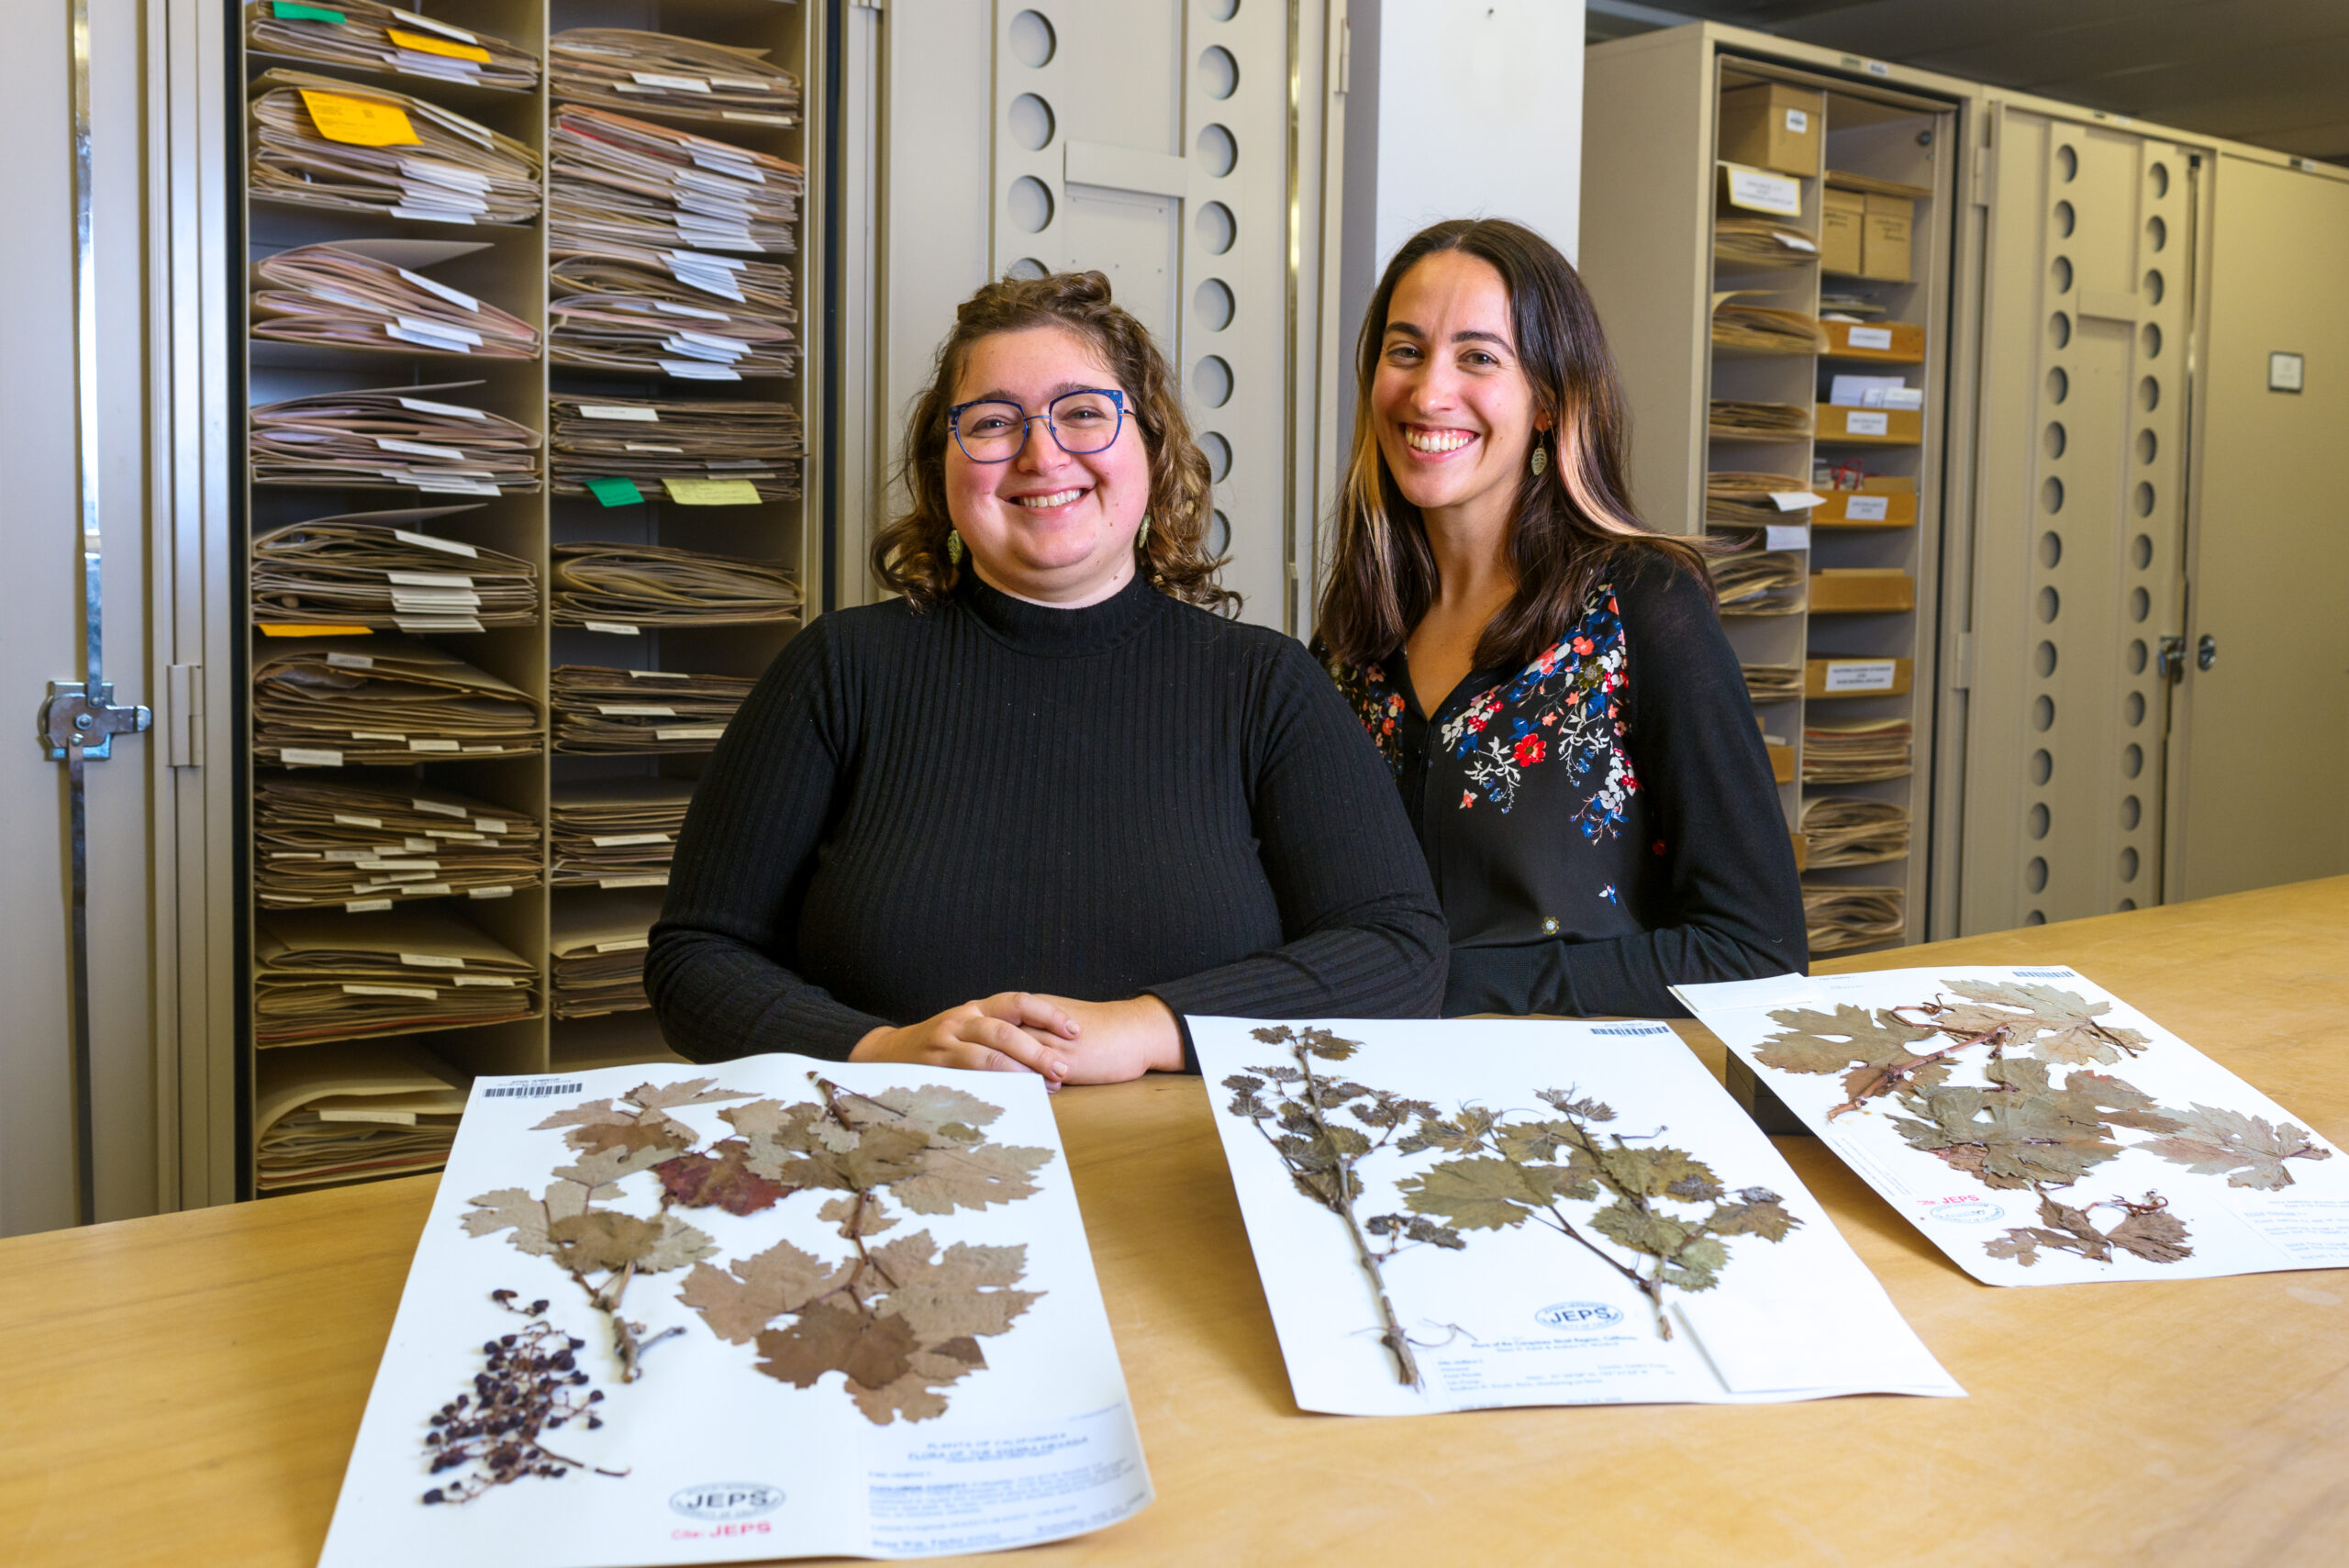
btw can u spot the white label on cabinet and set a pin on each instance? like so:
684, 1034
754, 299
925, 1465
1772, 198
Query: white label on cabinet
349, 662
1869, 675
1871, 338
1786, 535
1758, 190
1865, 508
1798, 122
1861, 423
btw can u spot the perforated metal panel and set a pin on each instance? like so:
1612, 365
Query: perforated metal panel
2080, 522
1150, 139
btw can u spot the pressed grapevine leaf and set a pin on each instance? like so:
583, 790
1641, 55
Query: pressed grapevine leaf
723, 1180
608, 1240
974, 1177
1758, 1211
909, 1326
2147, 1230
511, 1208
827, 1337
1519, 1172
2059, 1025
740, 1299
2250, 1153
1871, 1050
685, 1092
1487, 1194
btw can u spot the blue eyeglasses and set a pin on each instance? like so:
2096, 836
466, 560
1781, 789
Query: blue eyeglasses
991, 430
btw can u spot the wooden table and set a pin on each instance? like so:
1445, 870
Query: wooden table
185, 1388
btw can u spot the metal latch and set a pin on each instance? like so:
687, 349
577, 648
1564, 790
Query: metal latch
2206, 653
70, 720
2169, 659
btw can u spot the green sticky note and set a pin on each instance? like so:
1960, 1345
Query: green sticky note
615, 492
287, 11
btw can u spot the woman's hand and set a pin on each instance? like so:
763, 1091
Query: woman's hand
1011, 1031
1116, 1040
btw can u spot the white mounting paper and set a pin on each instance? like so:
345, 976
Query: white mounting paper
1524, 1315
724, 1463
2231, 1228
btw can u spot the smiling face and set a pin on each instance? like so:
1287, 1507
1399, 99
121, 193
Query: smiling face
1047, 526
1454, 413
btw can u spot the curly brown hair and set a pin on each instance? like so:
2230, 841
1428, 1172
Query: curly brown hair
910, 555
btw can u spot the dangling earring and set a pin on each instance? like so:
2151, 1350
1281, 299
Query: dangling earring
953, 546
1142, 538
1540, 460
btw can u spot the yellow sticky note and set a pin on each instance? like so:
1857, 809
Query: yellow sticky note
425, 44
711, 492
361, 122
280, 629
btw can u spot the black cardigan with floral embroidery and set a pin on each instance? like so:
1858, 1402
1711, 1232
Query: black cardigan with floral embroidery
1601, 823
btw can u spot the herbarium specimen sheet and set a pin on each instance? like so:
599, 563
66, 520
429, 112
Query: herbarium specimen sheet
2037, 1128
774, 1307
1451, 1216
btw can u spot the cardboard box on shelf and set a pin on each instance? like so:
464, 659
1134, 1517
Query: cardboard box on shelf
1869, 427
1866, 508
1886, 342
1773, 126
1883, 247
1861, 590
1843, 214
1802, 849
1857, 677
1782, 759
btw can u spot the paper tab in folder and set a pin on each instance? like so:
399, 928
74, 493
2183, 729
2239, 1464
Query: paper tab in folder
445, 47
711, 492
360, 122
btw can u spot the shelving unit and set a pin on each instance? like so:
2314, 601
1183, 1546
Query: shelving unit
1677, 229
511, 273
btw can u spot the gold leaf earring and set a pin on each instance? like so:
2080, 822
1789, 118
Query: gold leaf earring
1142, 536
1540, 460
953, 546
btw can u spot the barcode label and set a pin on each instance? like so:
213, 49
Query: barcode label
2045, 974
529, 1090
1630, 1029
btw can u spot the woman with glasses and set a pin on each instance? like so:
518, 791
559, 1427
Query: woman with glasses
1043, 803
1546, 676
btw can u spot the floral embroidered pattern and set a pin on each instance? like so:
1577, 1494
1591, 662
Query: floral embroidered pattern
1377, 704
1566, 706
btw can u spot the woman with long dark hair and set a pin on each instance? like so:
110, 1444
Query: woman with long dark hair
1046, 801
1546, 676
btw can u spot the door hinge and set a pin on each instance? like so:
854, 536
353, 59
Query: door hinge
1961, 663
183, 699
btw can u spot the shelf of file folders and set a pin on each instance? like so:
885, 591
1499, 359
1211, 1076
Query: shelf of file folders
394, 714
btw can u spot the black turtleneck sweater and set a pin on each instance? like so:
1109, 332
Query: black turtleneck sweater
918, 808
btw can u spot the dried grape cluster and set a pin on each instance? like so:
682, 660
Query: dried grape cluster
531, 1384
2022, 1128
